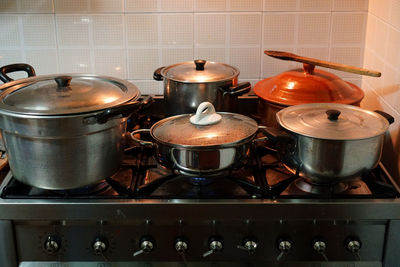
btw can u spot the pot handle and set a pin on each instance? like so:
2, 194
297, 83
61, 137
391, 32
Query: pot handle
124, 110
157, 74
15, 67
141, 142
275, 135
237, 90
389, 117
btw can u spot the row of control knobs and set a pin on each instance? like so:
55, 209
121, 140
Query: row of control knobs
215, 244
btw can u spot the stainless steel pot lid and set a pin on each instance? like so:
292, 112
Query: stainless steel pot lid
223, 128
332, 121
65, 94
199, 71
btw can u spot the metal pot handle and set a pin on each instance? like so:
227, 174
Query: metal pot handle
15, 67
387, 116
157, 74
123, 110
236, 90
275, 135
138, 141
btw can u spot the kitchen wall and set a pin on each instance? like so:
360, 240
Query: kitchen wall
131, 38
382, 52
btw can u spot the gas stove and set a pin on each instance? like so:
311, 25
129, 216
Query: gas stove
146, 215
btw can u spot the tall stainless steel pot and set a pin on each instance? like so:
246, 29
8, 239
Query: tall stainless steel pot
63, 132
188, 84
327, 142
206, 144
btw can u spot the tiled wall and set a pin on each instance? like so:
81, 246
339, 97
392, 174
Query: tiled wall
382, 52
131, 38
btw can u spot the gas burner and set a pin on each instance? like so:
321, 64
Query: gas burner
200, 181
88, 190
308, 186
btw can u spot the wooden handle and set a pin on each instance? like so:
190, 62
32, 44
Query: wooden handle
322, 63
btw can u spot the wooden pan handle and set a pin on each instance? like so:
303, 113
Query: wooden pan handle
322, 63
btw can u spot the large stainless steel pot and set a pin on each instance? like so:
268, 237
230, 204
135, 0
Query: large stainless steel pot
205, 144
327, 142
188, 84
63, 132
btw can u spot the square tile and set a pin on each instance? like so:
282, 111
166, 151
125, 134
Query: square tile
11, 57
8, 6
245, 29
110, 62
240, 5
106, 6
142, 30
380, 8
10, 34
210, 5
279, 5
148, 87
381, 35
353, 5
35, 6
141, 5
71, 6
393, 48
43, 61
142, 63
394, 14
314, 28
348, 28
108, 30
176, 55
321, 53
391, 87
177, 29
211, 54
279, 28
272, 66
177, 5
312, 5
370, 31
38, 30
247, 60
210, 29
347, 55
73, 30
74, 61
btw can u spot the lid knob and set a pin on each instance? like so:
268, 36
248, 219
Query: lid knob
205, 115
63, 81
333, 114
200, 64
308, 68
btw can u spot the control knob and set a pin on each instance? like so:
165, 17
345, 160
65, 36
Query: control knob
249, 244
284, 247
320, 247
99, 245
146, 245
353, 245
215, 244
52, 244
181, 245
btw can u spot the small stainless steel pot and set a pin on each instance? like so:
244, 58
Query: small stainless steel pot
188, 84
328, 143
63, 132
206, 146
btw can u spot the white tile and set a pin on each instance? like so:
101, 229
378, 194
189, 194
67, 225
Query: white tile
71, 6
38, 30
240, 5
35, 6
211, 54
8, 6
314, 28
110, 62
10, 34
279, 28
142, 30
312, 5
380, 8
177, 29
370, 31
353, 5
349, 56
395, 14
11, 57
176, 55
348, 28
73, 30
141, 5
393, 48
381, 36
74, 61
148, 87
108, 30
210, 29
247, 60
176, 5
314, 52
210, 5
106, 6
273, 66
142, 63
279, 5
245, 29
43, 61
391, 87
